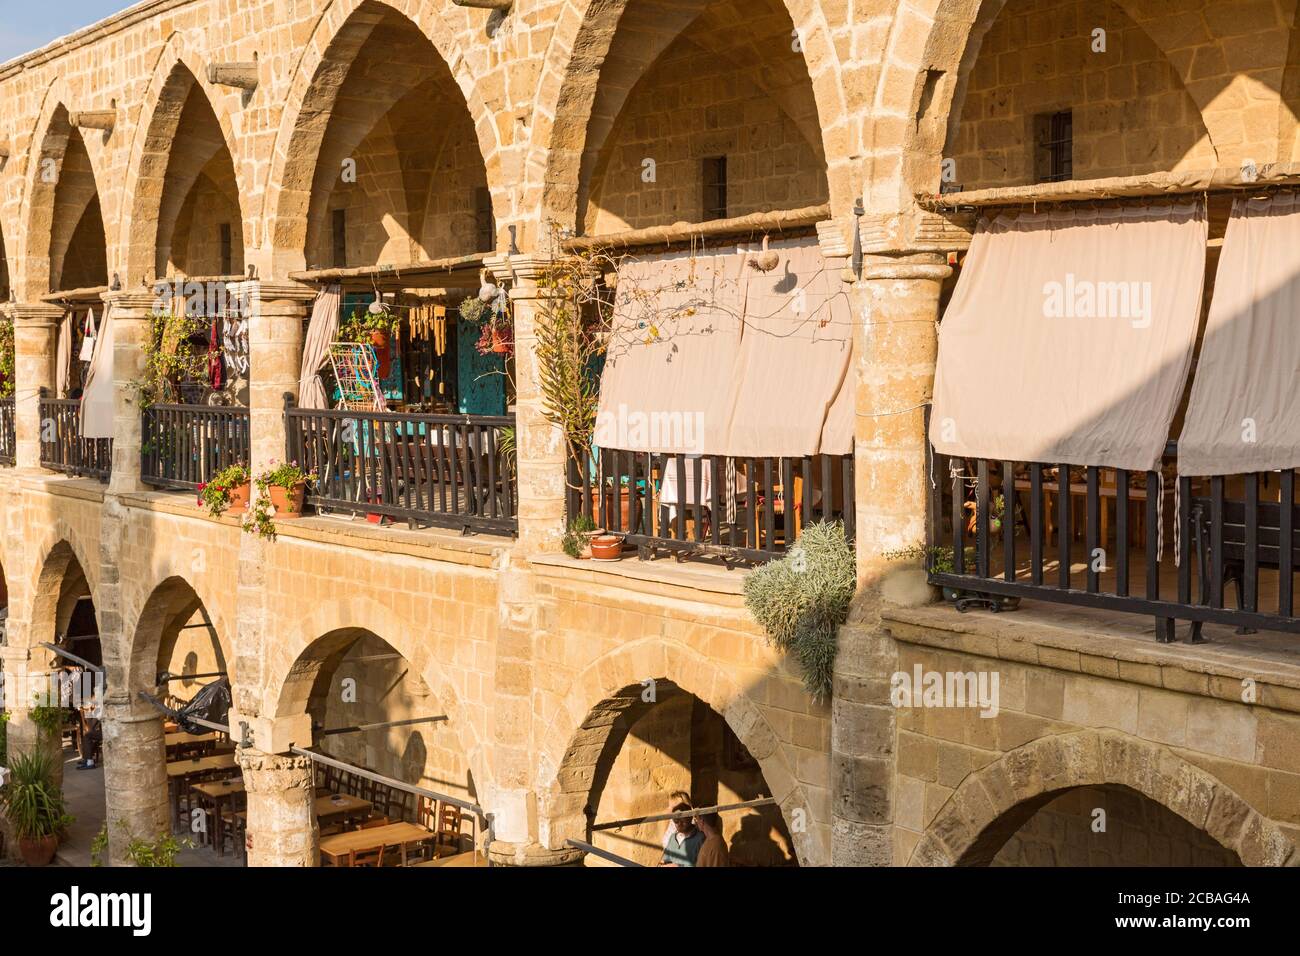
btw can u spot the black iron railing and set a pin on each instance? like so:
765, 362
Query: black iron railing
451, 471
1145, 542
738, 510
8, 433
183, 446
62, 447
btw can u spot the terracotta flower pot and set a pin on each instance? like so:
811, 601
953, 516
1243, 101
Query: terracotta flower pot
607, 547
499, 344
38, 851
288, 501
239, 496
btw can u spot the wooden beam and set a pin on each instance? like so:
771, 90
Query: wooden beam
753, 226
1154, 185
454, 271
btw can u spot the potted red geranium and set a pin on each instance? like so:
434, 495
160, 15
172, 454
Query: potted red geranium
229, 490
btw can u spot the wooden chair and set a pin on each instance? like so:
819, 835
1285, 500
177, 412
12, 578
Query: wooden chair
373, 822
373, 857
426, 815
446, 836
398, 805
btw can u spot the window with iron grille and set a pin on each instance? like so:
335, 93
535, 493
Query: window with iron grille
715, 188
227, 250
485, 220
340, 238
1054, 146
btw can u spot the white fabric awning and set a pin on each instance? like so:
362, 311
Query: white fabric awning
794, 392
711, 356
97, 395
1244, 411
321, 332
1070, 334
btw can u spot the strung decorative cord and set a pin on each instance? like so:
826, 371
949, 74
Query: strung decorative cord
1160, 519
1178, 524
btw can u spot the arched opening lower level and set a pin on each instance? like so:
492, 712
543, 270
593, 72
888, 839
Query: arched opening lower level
375, 716
1109, 826
651, 741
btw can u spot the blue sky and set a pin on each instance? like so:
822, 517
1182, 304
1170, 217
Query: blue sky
26, 25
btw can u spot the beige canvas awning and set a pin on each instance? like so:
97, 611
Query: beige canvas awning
1244, 411
712, 356
670, 371
1070, 334
97, 395
794, 396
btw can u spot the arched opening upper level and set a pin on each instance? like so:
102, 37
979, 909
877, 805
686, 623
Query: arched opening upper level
66, 240
382, 159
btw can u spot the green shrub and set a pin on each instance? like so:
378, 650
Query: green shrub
575, 539
31, 800
802, 600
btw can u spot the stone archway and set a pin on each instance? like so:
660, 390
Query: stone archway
605, 700
183, 132
320, 641
931, 45
599, 58
301, 149
994, 802
62, 213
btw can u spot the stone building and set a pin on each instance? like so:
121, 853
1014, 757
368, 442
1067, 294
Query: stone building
283, 144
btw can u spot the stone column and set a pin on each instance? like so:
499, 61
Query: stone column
895, 348
539, 444
540, 455
133, 312
895, 351
21, 732
35, 336
135, 775
282, 828
276, 312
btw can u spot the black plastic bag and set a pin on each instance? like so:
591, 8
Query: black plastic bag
212, 704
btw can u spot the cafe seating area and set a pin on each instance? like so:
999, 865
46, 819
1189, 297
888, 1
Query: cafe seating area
363, 822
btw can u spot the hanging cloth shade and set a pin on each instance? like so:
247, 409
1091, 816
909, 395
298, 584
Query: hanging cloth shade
1069, 336
322, 330
97, 395
1244, 411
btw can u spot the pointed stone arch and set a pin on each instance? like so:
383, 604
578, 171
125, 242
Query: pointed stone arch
993, 802
177, 74
46, 236
318, 76
562, 154
602, 702
295, 663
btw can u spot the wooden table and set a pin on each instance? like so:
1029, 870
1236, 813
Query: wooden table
337, 847
218, 792
180, 739
341, 804
182, 770
460, 859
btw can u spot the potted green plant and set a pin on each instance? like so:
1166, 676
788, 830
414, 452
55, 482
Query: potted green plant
281, 490
577, 540
229, 490
375, 328
496, 328
33, 805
